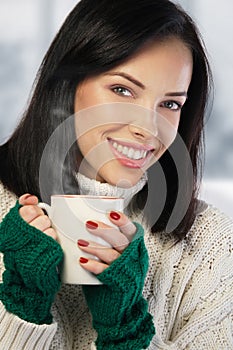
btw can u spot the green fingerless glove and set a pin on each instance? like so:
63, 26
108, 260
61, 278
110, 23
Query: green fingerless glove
30, 281
119, 311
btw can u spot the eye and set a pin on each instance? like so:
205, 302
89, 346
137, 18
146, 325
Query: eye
122, 91
172, 105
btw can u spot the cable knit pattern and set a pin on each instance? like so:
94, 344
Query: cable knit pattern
189, 288
191, 293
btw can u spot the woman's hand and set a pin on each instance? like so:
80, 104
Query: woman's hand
35, 216
118, 239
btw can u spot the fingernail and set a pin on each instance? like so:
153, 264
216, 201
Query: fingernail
92, 225
83, 260
83, 243
114, 215
27, 196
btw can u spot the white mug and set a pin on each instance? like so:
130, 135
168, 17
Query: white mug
69, 214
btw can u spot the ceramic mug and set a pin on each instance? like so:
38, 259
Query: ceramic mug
68, 214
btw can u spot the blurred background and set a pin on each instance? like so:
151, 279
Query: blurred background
27, 27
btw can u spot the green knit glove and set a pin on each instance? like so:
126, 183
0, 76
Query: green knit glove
119, 311
30, 281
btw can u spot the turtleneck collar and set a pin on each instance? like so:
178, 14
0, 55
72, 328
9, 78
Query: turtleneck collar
92, 187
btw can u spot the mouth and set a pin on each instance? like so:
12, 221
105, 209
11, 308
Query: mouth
129, 154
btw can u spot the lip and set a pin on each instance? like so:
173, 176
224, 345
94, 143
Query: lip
130, 163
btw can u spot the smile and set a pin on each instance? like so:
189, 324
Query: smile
130, 153
133, 156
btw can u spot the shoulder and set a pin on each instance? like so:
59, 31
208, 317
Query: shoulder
211, 225
7, 200
210, 238
209, 243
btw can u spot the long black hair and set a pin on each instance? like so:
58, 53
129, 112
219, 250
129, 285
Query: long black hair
95, 37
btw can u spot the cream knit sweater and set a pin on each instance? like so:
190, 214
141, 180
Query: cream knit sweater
189, 287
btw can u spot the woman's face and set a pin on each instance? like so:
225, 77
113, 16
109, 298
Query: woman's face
119, 113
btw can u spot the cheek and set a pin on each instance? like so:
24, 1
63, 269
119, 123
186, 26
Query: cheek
173, 118
167, 127
91, 142
175, 123
84, 143
83, 98
89, 94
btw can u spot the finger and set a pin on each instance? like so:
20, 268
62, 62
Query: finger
108, 233
125, 225
28, 199
42, 223
51, 233
93, 266
105, 254
30, 212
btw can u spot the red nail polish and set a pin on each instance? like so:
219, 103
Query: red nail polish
83, 260
92, 225
83, 243
114, 215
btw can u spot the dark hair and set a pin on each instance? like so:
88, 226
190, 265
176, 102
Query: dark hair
95, 37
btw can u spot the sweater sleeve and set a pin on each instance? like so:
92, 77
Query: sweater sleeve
17, 334
216, 337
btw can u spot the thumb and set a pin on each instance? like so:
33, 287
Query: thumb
28, 199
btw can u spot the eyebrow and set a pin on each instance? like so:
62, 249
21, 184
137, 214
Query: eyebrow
142, 86
128, 77
178, 93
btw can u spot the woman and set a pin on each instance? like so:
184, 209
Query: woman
144, 60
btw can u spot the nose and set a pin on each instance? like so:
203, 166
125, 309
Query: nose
143, 126
140, 133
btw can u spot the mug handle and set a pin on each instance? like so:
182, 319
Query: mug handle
45, 207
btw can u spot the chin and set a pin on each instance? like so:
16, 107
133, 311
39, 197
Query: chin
124, 179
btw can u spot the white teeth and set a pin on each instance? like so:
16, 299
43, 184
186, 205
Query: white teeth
137, 155
130, 152
125, 150
120, 148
